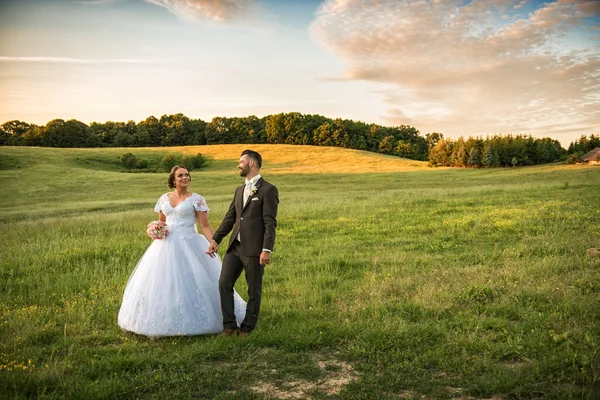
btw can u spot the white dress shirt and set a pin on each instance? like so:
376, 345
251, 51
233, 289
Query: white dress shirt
249, 184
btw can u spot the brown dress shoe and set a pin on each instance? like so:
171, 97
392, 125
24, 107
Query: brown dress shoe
242, 334
228, 332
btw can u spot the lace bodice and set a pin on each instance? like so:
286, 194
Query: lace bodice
181, 219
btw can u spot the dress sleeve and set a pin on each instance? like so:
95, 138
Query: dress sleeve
199, 203
161, 200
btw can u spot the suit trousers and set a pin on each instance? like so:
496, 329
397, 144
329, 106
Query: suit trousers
233, 265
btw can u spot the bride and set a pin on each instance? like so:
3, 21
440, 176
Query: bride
173, 290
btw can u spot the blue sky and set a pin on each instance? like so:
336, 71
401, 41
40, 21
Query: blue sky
457, 67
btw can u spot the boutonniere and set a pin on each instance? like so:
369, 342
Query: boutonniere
253, 190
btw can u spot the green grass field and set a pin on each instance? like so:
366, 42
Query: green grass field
389, 280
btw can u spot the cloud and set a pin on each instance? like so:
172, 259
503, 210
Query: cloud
214, 10
485, 66
69, 60
396, 117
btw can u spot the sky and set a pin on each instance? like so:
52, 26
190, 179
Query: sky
461, 68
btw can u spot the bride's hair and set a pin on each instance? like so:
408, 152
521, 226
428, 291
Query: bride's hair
171, 178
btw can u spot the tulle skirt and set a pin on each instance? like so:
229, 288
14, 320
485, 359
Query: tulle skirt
174, 290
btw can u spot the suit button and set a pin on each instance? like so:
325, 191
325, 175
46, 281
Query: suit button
241, 218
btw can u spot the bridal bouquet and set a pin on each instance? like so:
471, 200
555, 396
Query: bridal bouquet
157, 230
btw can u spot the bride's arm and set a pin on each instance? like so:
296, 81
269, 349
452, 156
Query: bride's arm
162, 217
207, 230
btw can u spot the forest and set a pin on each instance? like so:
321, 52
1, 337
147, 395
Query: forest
299, 129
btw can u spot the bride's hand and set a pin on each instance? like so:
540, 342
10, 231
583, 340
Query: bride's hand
212, 249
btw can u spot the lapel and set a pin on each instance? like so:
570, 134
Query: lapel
258, 185
239, 198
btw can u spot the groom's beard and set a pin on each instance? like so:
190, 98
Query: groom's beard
244, 172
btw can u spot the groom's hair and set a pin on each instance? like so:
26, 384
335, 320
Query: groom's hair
253, 155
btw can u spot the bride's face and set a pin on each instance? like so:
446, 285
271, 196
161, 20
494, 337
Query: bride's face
182, 178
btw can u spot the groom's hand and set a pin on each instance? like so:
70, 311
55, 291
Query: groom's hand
212, 248
265, 258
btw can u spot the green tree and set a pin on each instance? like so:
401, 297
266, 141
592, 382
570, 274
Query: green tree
386, 145
72, 133
515, 147
170, 160
254, 129
440, 153
574, 158
129, 161
547, 150
410, 136
14, 133
459, 155
403, 149
584, 144
490, 155
474, 157
33, 137
107, 132
4, 136
192, 162
148, 133
218, 131
189, 162
177, 130
323, 135
293, 128
374, 136
198, 126
433, 138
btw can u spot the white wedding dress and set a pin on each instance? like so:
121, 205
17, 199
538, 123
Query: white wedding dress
174, 287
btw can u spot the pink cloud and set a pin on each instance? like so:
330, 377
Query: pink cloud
215, 10
482, 67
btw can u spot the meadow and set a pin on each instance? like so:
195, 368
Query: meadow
389, 280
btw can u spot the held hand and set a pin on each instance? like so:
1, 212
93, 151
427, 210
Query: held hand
212, 249
265, 258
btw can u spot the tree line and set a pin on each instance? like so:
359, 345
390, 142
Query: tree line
298, 129
579, 147
495, 151
179, 130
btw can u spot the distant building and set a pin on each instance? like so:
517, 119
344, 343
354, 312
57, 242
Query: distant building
592, 157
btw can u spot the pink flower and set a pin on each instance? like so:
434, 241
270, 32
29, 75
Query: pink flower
157, 230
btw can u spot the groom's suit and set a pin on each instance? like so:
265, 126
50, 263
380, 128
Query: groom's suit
254, 223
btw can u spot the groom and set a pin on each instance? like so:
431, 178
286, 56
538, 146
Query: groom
253, 217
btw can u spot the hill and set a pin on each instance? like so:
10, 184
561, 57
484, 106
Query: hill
278, 159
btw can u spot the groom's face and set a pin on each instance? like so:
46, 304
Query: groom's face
244, 166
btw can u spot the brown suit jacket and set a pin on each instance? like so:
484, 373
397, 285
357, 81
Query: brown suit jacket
255, 221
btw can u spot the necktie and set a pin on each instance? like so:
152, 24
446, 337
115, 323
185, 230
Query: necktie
247, 191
